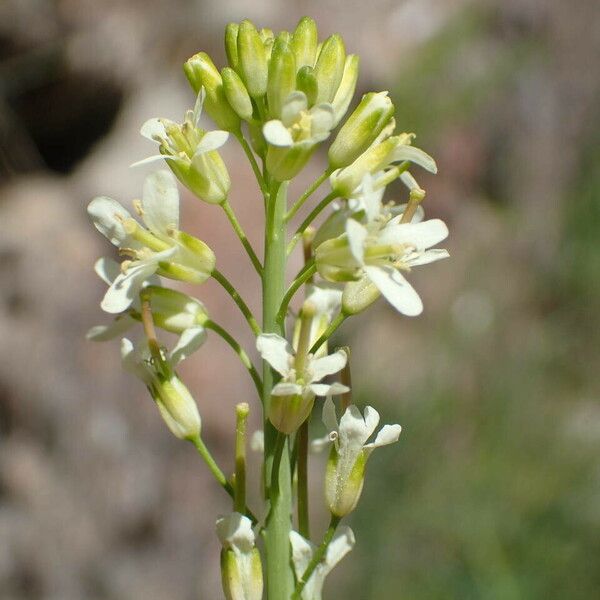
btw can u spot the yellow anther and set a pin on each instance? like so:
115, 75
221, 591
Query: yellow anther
137, 205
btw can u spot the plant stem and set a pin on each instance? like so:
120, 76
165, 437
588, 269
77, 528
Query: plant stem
280, 576
303, 514
252, 160
314, 213
228, 287
329, 332
237, 348
242, 236
307, 194
317, 557
241, 414
303, 276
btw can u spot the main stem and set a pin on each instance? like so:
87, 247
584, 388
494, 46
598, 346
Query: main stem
279, 573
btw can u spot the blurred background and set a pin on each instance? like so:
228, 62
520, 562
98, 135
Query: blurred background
494, 489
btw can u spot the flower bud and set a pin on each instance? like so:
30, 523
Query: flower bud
237, 94
343, 96
329, 68
175, 311
282, 76
284, 163
231, 35
252, 59
307, 82
361, 129
345, 181
304, 42
358, 295
287, 413
176, 406
334, 260
201, 72
342, 494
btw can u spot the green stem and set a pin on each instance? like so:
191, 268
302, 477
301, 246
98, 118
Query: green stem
226, 284
307, 194
241, 419
252, 160
303, 515
242, 236
328, 332
237, 348
303, 276
314, 213
279, 573
218, 474
317, 557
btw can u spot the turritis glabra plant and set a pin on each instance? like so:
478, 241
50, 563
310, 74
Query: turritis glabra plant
281, 97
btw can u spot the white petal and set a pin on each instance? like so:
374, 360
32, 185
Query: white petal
293, 105
107, 215
235, 531
396, 290
322, 119
286, 389
357, 234
327, 299
126, 287
160, 202
102, 333
429, 256
329, 416
211, 141
324, 389
154, 158
420, 235
342, 542
415, 155
257, 441
409, 181
302, 551
277, 135
276, 351
189, 341
107, 269
197, 112
371, 419
132, 361
353, 433
327, 365
154, 130
388, 435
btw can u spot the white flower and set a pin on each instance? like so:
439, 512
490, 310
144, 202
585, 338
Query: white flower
240, 561
302, 553
293, 138
280, 355
160, 248
175, 403
191, 153
350, 452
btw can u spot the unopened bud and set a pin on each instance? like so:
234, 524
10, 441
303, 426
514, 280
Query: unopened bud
358, 295
342, 494
361, 129
252, 59
343, 96
304, 42
175, 311
201, 72
329, 68
231, 35
282, 76
177, 407
307, 82
237, 94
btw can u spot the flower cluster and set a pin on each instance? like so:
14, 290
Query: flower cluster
280, 97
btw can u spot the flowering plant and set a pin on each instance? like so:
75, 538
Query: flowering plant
281, 97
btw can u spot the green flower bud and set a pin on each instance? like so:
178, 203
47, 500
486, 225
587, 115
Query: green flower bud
237, 94
335, 262
252, 59
175, 311
176, 406
345, 92
329, 68
359, 295
201, 72
284, 163
268, 39
304, 42
307, 82
287, 413
231, 35
241, 575
345, 181
282, 76
342, 499
361, 129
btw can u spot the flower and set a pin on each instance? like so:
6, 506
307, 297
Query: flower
191, 153
293, 138
377, 251
349, 453
293, 397
302, 553
174, 401
157, 248
241, 569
